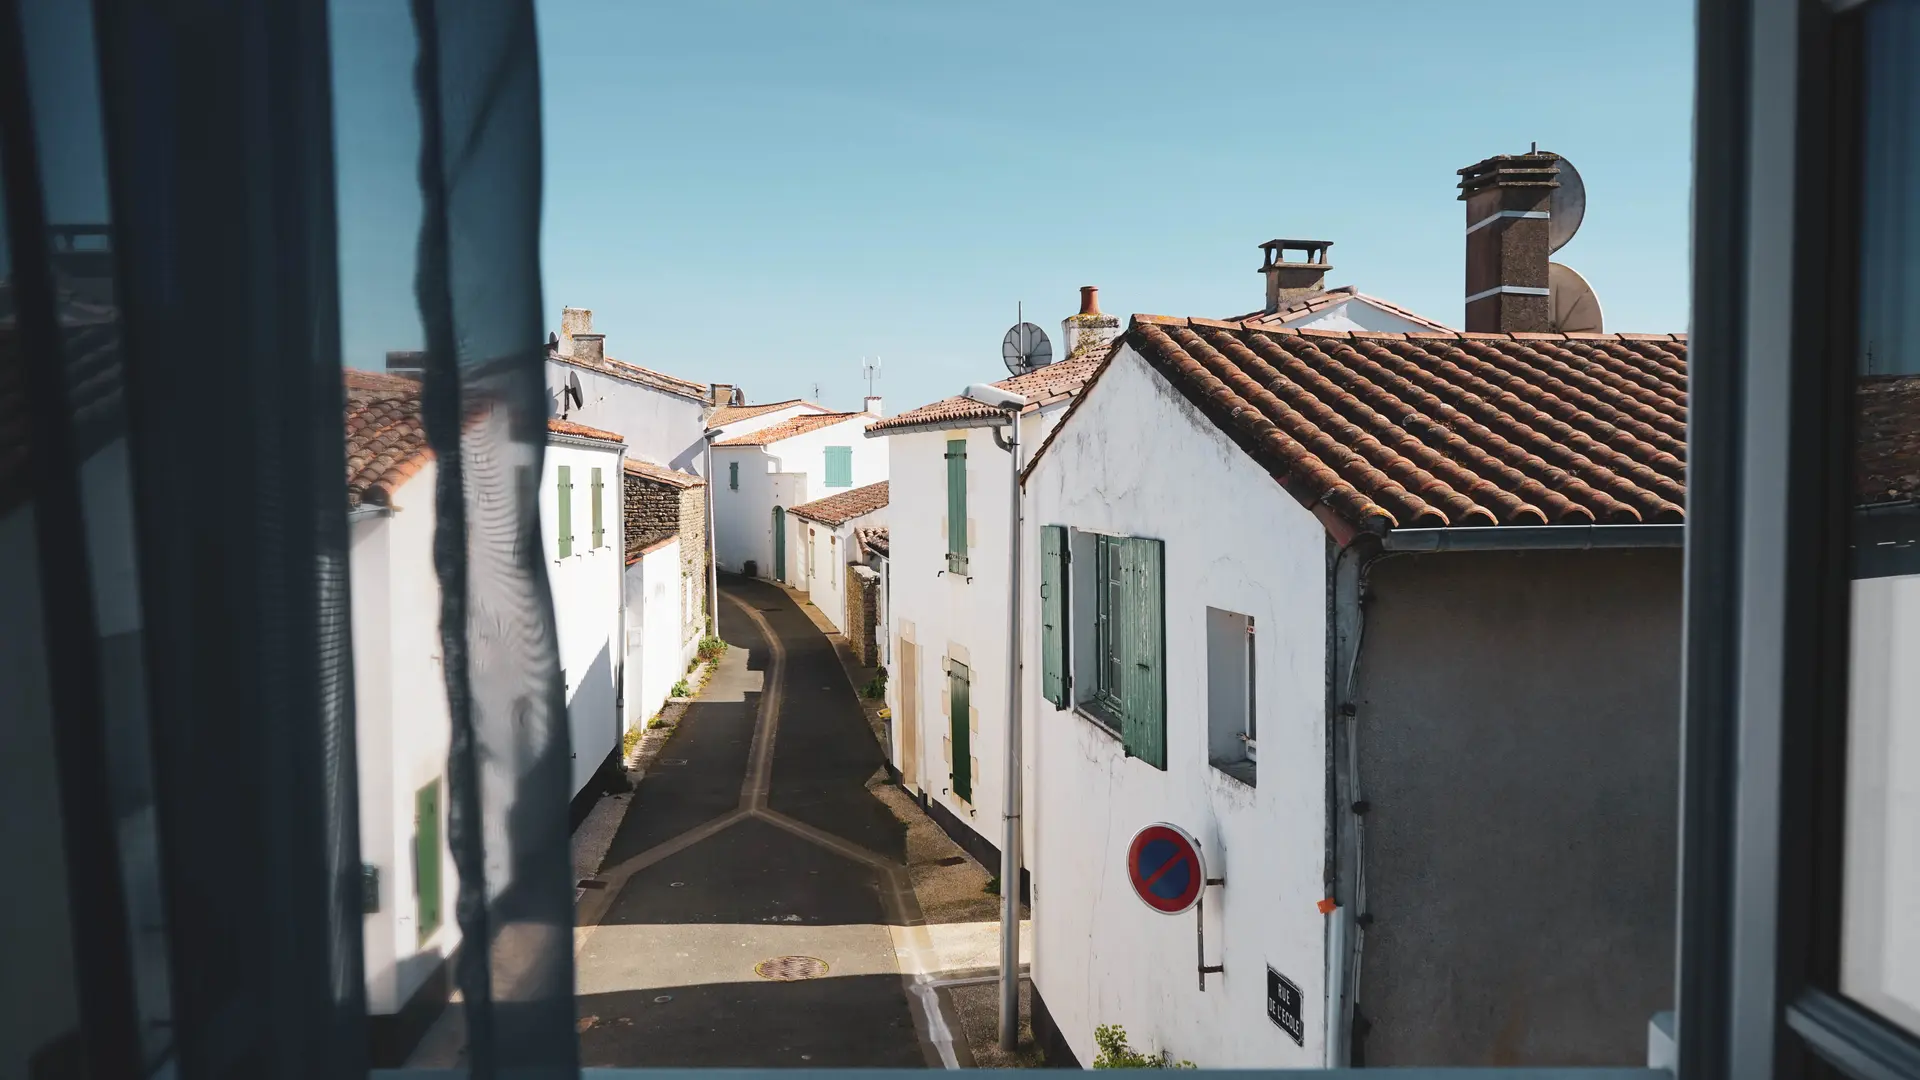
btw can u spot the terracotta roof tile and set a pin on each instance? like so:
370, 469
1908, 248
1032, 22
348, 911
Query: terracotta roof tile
1391, 430
635, 373
1318, 302
873, 539
651, 471
557, 426
788, 428
842, 507
1051, 384
728, 414
386, 442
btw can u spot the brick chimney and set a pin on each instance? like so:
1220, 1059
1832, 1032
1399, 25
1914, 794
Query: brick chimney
1507, 199
1090, 329
590, 348
573, 321
1289, 280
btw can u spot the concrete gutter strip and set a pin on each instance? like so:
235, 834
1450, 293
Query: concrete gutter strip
1536, 538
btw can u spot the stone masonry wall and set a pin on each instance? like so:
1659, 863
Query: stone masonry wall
653, 512
863, 609
692, 511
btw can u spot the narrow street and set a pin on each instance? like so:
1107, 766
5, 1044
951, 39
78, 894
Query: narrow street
754, 852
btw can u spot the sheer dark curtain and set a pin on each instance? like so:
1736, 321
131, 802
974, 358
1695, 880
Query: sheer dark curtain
175, 574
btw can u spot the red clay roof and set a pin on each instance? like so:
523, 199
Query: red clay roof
581, 431
1388, 431
788, 428
650, 471
844, 506
1318, 302
386, 443
1051, 384
620, 369
728, 414
873, 538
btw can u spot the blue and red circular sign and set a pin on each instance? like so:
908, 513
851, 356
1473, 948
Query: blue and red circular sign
1165, 868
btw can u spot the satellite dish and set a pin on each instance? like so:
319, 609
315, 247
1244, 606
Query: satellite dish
573, 393
1026, 348
1574, 307
1568, 207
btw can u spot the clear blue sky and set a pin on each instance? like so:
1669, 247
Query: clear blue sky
763, 192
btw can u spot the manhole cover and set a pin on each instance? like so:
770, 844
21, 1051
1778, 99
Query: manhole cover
790, 968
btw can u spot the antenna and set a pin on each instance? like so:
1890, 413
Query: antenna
1025, 348
870, 370
1567, 206
816, 393
1572, 305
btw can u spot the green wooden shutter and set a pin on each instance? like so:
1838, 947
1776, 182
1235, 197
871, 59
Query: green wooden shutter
839, 466
566, 511
961, 715
733, 475
1142, 641
426, 858
599, 533
1053, 614
957, 506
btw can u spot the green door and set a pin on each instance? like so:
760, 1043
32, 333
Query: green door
960, 720
426, 858
779, 544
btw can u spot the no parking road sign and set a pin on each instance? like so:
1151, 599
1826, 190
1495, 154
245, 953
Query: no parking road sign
1166, 869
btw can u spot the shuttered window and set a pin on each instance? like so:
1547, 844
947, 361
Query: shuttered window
959, 694
1129, 627
426, 858
839, 466
733, 475
957, 506
1055, 683
599, 533
565, 514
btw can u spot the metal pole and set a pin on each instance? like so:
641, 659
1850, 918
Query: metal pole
1010, 809
713, 563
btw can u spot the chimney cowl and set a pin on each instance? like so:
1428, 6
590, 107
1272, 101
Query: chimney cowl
1289, 280
1509, 201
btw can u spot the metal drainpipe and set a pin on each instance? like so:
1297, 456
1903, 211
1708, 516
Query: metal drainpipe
713, 562
1010, 802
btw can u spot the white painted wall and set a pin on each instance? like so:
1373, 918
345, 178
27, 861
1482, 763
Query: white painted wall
948, 616
1233, 540
785, 474
1357, 314
401, 729
587, 589
659, 426
657, 655
824, 577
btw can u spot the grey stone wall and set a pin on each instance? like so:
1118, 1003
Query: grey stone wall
691, 518
863, 608
653, 512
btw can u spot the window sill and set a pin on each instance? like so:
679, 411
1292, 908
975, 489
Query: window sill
1101, 722
1242, 771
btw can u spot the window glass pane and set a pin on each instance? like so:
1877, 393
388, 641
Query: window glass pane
1880, 930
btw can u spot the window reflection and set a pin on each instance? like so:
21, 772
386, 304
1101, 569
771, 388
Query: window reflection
1880, 946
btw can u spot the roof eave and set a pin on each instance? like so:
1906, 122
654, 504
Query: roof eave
583, 442
1536, 538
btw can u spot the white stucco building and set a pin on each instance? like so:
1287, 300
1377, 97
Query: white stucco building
763, 473
1425, 789
946, 596
400, 695
733, 420
665, 417
823, 531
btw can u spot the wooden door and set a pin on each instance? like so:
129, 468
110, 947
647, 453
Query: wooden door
910, 715
779, 544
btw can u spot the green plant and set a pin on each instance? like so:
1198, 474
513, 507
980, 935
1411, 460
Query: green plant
1111, 1039
711, 648
992, 887
681, 689
876, 687
629, 741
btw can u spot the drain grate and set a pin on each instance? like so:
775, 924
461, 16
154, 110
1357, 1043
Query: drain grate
790, 968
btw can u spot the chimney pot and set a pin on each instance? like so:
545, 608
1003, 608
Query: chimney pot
1289, 280
1508, 197
873, 405
1090, 329
590, 348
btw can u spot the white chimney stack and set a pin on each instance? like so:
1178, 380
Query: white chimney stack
1089, 330
873, 405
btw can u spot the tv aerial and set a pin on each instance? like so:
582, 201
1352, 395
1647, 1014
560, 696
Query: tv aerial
1025, 348
1574, 308
870, 371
